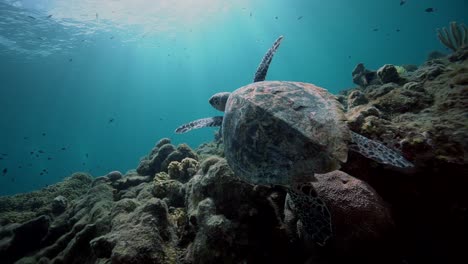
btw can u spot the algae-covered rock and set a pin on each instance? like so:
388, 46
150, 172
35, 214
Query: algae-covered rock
114, 175
23, 207
59, 204
360, 216
388, 73
171, 191
18, 240
356, 98
129, 181
162, 155
184, 170
364, 77
214, 240
229, 216
138, 235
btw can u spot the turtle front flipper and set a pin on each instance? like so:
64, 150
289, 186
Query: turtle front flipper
265, 63
311, 210
199, 123
377, 151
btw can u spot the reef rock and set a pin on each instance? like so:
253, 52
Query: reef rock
162, 155
17, 240
59, 204
388, 73
23, 207
140, 233
184, 170
114, 176
356, 98
364, 77
233, 221
359, 215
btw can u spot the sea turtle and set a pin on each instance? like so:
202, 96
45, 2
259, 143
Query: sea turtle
281, 132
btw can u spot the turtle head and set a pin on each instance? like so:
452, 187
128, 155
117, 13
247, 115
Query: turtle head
219, 100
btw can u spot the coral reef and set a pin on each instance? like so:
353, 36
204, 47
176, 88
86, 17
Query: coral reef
187, 206
163, 154
23, 207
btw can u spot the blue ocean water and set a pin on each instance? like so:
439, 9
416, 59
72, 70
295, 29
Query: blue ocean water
92, 85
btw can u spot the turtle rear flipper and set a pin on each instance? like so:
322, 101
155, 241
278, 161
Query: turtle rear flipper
312, 211
377, 151
200, 123
262, 69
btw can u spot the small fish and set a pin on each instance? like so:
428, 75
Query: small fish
299, 18
44, 134
4, 154
83, 163
49, 158
70, 60
49, 16
19, 167
41, 151
250, 14
276, 17
64, 148
5, 171
429, 10
37, 156
31, 17
112, 37
41, 173
25, 138
1, 158
111, 120
375, 29
32, 152
86, 154
349, 56
402, 2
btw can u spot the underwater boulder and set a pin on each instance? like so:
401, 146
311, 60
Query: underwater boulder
169, 190
356, 98
162, 155
114, 175
388, 74
359, 215
59, 204
364, 77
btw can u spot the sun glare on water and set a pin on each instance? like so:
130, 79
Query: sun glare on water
156, 15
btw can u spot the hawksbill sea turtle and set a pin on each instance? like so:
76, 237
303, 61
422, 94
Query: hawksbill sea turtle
281, 133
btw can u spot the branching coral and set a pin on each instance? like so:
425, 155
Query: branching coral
456, 38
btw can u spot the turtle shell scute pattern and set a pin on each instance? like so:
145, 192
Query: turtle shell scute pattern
276, 132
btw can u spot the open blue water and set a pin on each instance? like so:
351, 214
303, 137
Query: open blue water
92, 85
